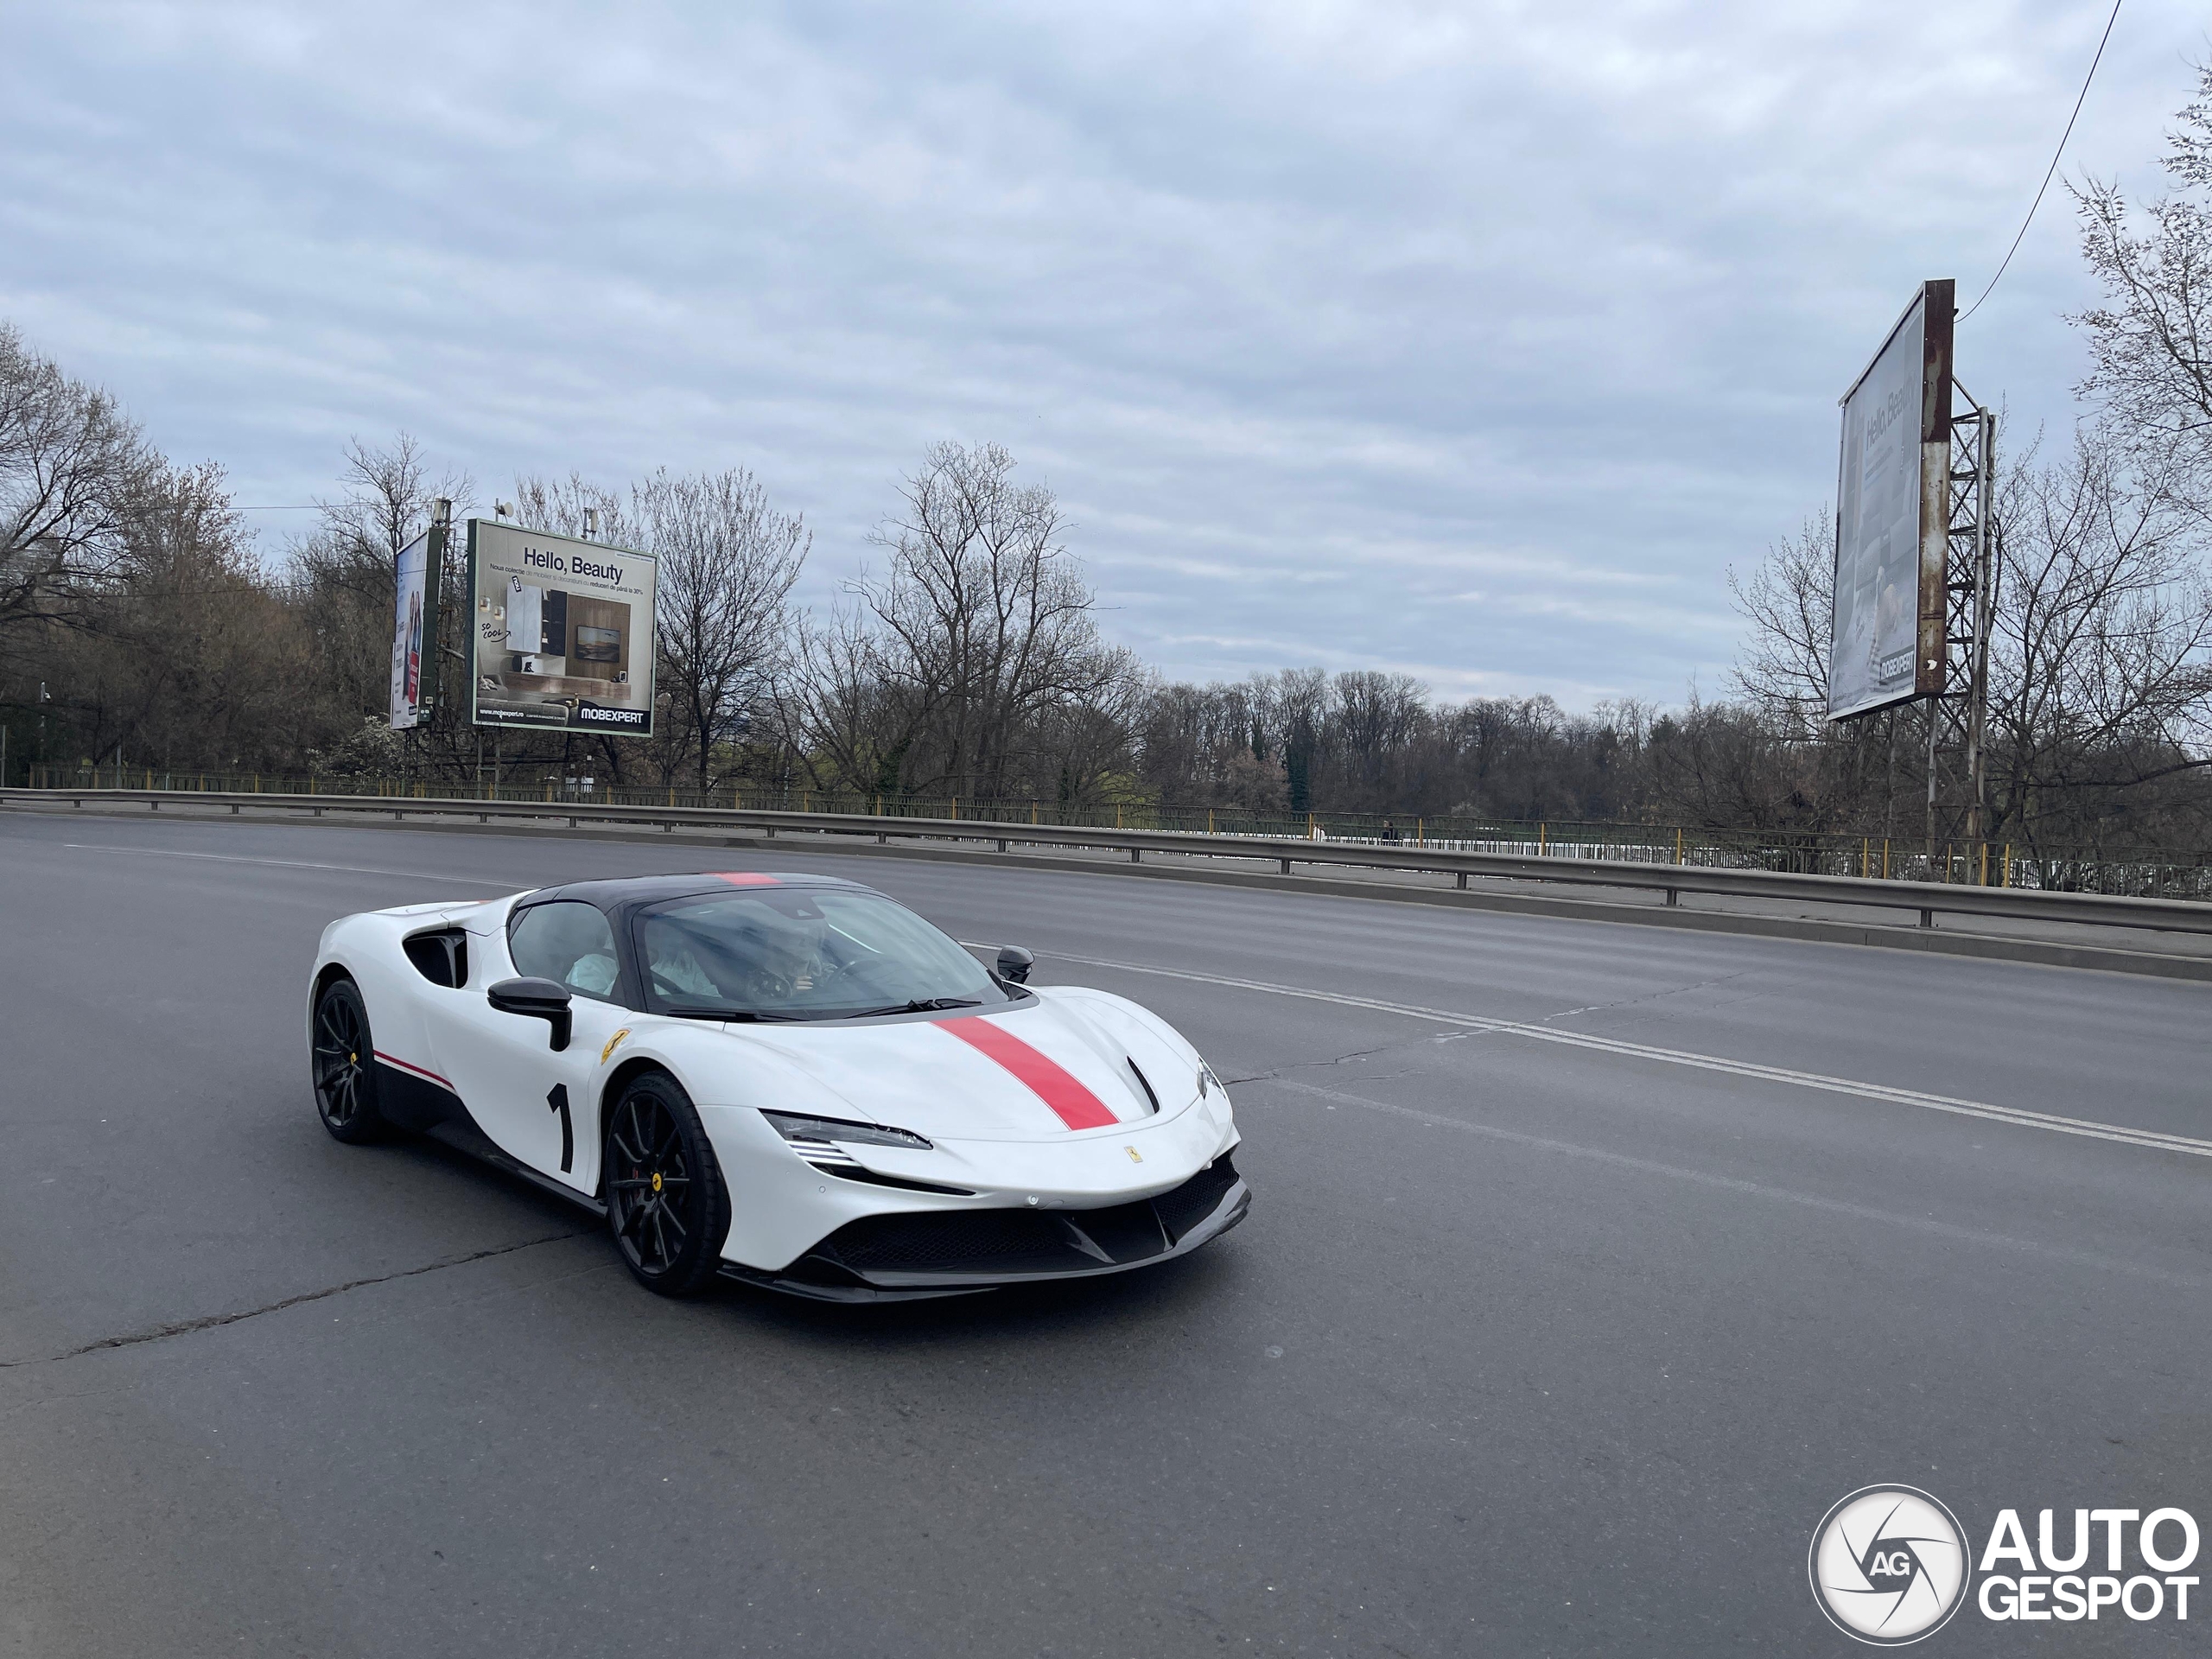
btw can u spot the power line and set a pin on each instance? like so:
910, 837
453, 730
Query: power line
2050, 171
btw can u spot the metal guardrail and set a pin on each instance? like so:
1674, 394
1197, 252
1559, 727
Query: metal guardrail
1929, 899
2001, 861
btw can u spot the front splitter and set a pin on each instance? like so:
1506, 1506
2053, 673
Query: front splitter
1236, 1203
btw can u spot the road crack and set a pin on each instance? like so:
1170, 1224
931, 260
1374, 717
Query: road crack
1333, 1059
186, 1327
1652, 997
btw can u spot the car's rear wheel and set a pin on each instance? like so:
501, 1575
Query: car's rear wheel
344, 1065
666, 1203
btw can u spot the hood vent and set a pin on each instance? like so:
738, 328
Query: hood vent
1145, 1084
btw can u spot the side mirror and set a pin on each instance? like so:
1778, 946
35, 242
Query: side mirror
535, 999
1015, 964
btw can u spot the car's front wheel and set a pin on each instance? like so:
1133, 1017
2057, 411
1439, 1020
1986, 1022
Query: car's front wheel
666, 1203
344, 1065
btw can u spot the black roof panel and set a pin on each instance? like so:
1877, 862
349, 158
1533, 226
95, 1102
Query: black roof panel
610, 891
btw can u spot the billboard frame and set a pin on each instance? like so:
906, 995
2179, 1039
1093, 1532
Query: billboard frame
615, 722
416, 631
1936, 301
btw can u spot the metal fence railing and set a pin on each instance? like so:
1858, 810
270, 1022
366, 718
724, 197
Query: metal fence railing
1554, 862
1997, 862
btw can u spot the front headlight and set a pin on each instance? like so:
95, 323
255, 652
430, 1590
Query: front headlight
1207, 1081
823, 1130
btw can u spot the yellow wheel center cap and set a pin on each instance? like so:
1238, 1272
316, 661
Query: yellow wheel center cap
656, 1180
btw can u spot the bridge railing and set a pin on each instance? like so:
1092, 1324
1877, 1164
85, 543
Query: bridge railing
1287, 854
1993, 861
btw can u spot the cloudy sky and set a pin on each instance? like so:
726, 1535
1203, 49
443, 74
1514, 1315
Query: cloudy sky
1470, 340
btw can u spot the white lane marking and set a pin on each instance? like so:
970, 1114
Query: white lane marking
2011, 1115
1756, 1189
289, 863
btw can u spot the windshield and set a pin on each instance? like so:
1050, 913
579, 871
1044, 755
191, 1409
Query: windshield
803, 954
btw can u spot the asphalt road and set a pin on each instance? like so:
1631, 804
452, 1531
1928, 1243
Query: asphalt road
1537, 1341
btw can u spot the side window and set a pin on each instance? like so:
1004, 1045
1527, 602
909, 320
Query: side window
569, 942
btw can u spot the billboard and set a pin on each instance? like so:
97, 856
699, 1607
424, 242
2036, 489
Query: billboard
1886, 641
561, 632
415, 633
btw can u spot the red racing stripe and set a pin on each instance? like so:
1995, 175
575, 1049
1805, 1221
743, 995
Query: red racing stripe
746, 879
409, 1065
1047, 1079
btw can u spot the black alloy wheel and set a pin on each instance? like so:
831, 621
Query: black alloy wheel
666, 1203
344, 1059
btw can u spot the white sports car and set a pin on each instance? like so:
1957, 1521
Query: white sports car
790, 1079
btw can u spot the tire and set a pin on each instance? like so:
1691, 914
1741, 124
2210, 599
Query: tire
667, 1205
342, 1064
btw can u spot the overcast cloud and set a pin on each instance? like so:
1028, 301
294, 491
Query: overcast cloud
1473, 341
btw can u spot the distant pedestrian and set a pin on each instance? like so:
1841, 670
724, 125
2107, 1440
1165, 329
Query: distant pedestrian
1390, 836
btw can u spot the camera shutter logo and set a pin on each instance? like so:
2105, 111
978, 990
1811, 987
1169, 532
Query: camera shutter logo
1889, 1564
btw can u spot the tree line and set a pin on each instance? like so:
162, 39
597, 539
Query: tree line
142, 629
140, 622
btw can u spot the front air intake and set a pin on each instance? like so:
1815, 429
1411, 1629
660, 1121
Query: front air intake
1008, 1243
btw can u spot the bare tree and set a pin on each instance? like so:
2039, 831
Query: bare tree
186, 654
388, 496
558, 507
852, 725
980, 626
727, 562
2151, 340
1782, 666
2100, 659
343, 571
70, 461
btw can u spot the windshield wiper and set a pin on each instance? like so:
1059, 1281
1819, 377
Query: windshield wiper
919, 1005
736, 1015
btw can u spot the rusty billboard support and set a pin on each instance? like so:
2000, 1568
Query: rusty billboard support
1958, 712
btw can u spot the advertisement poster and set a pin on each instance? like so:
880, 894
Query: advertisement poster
414, 636
562, 633
1887, 531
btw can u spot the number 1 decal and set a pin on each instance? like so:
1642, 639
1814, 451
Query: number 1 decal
558, 1100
